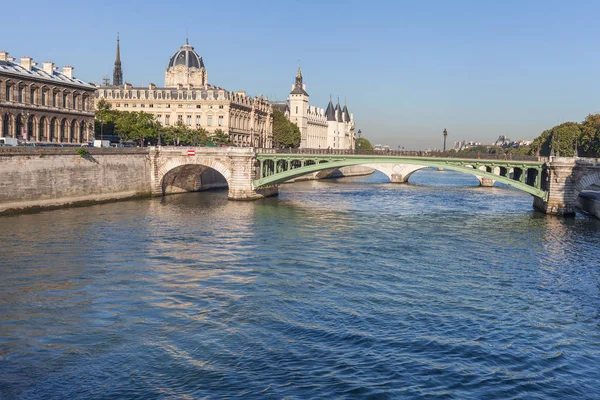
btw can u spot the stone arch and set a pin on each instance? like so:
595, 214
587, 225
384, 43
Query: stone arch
8, 125
585, 182
43, 130
63, 131
188, 165
31, 128
53, 130
397, 173
74, 131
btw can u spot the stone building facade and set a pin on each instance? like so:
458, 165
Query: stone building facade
43, 104
187, 97
319, 129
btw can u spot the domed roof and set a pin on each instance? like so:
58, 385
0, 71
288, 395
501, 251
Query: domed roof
187, 57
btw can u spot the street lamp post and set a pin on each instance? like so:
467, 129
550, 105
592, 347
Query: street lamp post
445, 134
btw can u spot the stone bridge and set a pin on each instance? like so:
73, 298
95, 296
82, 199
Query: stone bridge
250, 174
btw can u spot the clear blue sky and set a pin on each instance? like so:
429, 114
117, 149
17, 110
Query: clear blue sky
408, 69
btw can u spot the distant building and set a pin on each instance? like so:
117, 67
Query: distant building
464, 145
187, 97
381, 147
319, 128
502, 141
43, 104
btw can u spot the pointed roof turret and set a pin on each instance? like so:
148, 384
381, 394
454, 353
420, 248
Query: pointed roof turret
339, 111
330, 111
346, 114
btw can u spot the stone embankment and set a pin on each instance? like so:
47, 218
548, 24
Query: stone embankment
36, 178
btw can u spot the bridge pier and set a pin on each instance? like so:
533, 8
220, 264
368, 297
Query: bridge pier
244, 169
559, 182
485, 182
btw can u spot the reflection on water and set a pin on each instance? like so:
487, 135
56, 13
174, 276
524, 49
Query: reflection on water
349, 288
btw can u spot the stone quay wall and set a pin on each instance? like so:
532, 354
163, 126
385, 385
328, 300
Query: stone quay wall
37, 177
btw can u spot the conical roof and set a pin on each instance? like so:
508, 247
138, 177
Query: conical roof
346, 114
330, 111
339, 112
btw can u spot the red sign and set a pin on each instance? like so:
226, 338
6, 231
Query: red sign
191, 152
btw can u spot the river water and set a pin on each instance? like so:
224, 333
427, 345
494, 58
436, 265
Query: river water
354, 288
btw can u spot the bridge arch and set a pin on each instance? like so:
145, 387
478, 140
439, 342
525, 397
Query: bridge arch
585, 182
478, 168
191, 174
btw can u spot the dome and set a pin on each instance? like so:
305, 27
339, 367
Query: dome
187, 57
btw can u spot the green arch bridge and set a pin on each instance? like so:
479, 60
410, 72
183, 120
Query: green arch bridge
280, 165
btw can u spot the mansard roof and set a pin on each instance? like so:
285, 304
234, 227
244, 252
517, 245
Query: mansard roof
37, 73
330, 111
281, 106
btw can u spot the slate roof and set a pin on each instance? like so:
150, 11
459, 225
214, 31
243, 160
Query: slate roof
330, 111
346, 114
186, 56
57, 77
339, 112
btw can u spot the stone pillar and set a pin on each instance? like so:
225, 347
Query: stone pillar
485, 182
243, 171
560, 186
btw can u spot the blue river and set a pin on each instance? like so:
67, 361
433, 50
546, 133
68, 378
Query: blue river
349, 288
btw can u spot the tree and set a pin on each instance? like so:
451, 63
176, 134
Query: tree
105, 120
220, 137
285, 133
363, 144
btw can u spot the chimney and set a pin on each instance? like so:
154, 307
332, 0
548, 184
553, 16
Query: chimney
48, 67
26, 63
3, 56
68, 71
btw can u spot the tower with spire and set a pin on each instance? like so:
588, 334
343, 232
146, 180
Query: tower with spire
298, 103
118, 72
319, 129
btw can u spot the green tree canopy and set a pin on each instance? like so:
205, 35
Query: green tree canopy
219, 137
285, 133
363, 144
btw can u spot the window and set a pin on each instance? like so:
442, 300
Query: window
180, 118
296, 109
150, 105
221, 107
32, 96
167, 119
220, 120
197, 120
159, 118
188, 120
142, 105
159, 106
134, 105
117, 104
125, 105
209, 120
198, 106
168, 106
179, 105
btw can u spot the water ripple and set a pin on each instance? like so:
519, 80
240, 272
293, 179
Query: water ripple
349, 289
